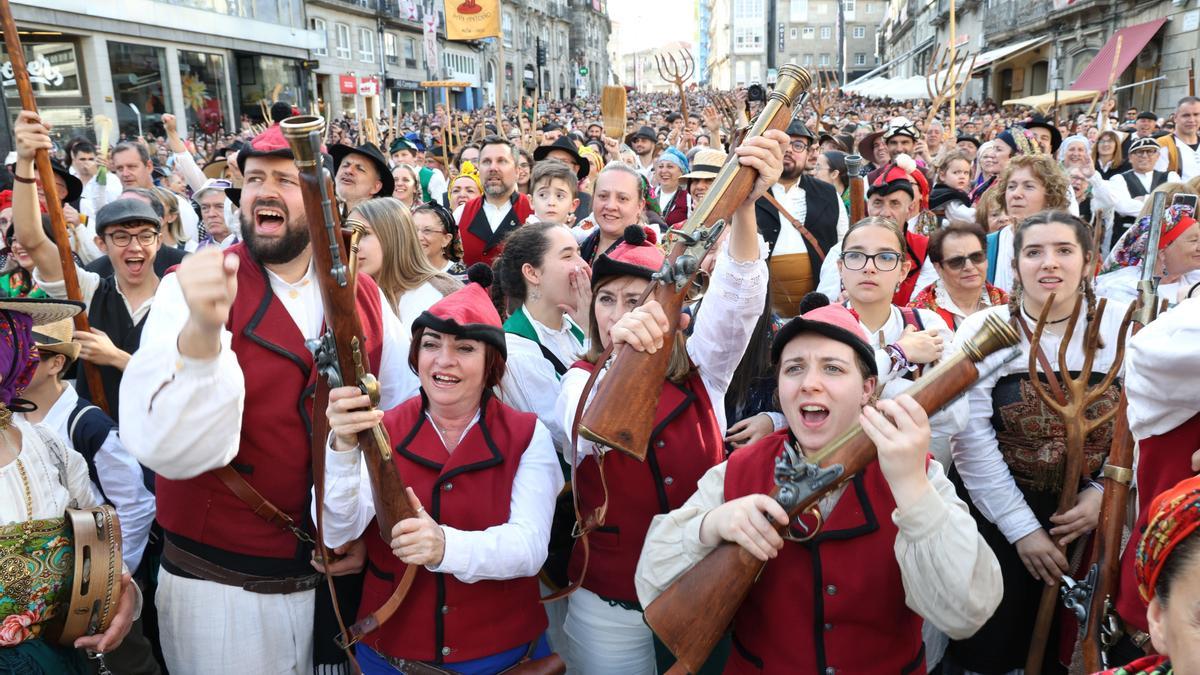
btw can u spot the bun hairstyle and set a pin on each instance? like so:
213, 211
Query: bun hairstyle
525, 245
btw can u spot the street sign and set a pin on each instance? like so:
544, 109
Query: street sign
583, 70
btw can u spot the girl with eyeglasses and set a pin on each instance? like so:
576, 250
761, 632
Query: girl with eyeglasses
1011, 456
907, 341
959, 254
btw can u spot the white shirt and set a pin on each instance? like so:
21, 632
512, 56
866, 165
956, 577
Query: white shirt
1122, 284
664, 199
1189, 160
413, 302
88, 283
732, 305
183, 416
1122, 202
120, 477
976, 451
513, 550
530, 382
795, 200
47, 493
95, 195
1161, 371
495, 214
1004, 260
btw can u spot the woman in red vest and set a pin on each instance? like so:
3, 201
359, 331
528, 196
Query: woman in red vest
1012, 453
896, 545
604, 624
482, 477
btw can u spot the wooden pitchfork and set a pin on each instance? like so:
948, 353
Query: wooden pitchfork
1080, 396
824, 93
677, 71
943, 79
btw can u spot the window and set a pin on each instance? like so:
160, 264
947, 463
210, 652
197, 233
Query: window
318, 26
810, 32
849, 6
410, 52
826, 32
507, 21
808, 59
739, 70
748, 38
793, 33
366, 45
799, 11
860, 32
389, 48
343, 41
860, 59
824, 59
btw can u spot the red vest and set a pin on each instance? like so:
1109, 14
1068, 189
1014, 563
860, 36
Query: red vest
443, 619
274, 455
1163, 461
917, 245
686, 443
480, 244
677, 211
836, 603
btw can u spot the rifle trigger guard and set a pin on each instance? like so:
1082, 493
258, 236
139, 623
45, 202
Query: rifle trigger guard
813, 511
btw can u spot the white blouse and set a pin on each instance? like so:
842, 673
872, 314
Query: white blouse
41, 454
976, 451
413, 302
530, 382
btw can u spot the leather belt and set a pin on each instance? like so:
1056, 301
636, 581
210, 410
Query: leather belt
199, 567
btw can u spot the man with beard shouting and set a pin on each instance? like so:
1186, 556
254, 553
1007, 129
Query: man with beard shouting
801, 218
485, 221
218, 401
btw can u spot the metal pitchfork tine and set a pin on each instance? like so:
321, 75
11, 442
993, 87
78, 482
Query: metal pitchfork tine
1080, 396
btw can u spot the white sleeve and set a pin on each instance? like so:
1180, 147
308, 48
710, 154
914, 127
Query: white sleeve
1164, 159
349, 504
1072, 202
517, 548
952, 418
978, 460
397, 381
736, 295
88, 283
185, 164
843, 224
830, 283
1161, 369
571, 389
1122, 203
79, 483
530, 384
928, 275
957, 211
188, 220
121, 479
180, 417
85, 241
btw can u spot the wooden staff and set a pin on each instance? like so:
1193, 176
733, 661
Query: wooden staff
1191, 77
1112, 78
1079, 395
16, 55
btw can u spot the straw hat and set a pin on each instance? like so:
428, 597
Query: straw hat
56, 337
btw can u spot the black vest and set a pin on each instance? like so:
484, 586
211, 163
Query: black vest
821, 220
107, 312
1136, 189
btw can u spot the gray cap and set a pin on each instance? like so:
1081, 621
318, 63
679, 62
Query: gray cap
797, 128
123, 211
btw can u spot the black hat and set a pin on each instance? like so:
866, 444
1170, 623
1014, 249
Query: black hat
127, 210
1037, 120
643, 132
797, 128
563, 143
1147, 115
368, 150
280, 111
552, 126
1143, 144
969, 139
74, 186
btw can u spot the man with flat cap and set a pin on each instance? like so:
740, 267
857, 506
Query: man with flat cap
1145, 125
1129, 190
642, 143
360, 173
801, 218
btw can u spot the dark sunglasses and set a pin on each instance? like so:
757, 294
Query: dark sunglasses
958, 262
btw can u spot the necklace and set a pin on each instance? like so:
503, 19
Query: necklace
1034, 319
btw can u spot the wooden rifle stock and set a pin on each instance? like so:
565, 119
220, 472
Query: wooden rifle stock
694, 612
858, 207
621, 414
340, 353
62, 239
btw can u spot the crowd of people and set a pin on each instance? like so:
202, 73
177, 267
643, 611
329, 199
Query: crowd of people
500, 259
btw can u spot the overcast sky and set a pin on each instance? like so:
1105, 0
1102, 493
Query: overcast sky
650, 23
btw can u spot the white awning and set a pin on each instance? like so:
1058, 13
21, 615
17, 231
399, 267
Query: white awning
989, 57
897, 88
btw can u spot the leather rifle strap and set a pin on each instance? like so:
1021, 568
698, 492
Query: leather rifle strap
375, 619
1051, 378
259, 504
596, 519
319, 439
812, 240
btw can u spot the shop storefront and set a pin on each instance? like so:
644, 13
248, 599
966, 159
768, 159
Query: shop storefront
270, 78
57, 73
205, 97
409, 96
140, 91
